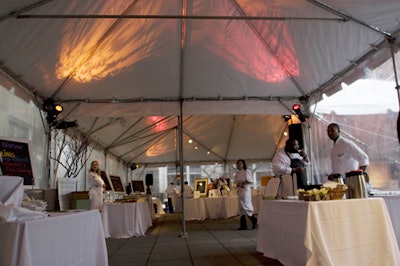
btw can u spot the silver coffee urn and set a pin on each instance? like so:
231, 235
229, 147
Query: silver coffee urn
356, 186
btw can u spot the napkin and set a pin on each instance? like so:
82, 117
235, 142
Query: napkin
10, 213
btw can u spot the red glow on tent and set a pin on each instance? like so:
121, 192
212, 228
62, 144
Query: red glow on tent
253, 48
157, 123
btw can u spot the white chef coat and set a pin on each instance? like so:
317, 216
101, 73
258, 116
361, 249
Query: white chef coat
187, 191
346, 156
96, 191
282, 161
244, 193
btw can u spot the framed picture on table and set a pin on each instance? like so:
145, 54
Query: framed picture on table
201, 185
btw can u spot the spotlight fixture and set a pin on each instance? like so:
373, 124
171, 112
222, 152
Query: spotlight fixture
134, 166
52, 109
297, 109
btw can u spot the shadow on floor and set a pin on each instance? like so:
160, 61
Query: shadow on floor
209, 242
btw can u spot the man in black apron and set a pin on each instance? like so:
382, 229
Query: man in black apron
301, 172
290, 160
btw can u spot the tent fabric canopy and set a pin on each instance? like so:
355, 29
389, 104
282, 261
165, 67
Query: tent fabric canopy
236, 66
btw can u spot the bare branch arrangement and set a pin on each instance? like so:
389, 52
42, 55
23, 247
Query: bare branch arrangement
72, 151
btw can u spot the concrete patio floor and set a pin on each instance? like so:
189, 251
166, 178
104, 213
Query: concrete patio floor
209, 242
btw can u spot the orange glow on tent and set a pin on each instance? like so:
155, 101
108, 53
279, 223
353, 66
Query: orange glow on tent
157, 149
88, 53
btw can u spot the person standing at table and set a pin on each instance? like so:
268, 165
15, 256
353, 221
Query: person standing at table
170, 194
97, 187
187, 190
346, 156
290, 160
243, 179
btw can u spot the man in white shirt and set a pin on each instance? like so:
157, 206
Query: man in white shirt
290, 160
346, 156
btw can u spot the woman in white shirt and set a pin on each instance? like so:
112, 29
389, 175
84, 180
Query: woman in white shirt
243, 179
96, 187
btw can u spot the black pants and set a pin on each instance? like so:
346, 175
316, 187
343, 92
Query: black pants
170, 207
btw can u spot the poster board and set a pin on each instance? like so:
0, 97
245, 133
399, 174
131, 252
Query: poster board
271, 191
16, 159
117, 184
288, 186
137, 186
106, 181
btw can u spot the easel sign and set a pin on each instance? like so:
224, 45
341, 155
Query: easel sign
271, 191
16, 156
137, 186
106, 180
117, 184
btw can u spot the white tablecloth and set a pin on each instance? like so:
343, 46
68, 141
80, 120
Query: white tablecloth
213, 208
65, 239
124, 220
195, 209
342, 232
393, 206
222, 208
11, 190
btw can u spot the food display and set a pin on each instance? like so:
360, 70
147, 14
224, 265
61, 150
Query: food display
329, 191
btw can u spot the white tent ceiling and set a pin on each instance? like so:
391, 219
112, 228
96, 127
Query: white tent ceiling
122, 68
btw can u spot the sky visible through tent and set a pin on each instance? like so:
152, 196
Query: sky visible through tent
365, 96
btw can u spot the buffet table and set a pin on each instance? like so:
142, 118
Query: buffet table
124, 220
62, 239
213, 207
337, 232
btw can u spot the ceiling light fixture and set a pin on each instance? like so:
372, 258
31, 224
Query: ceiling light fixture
297, 109
52, 110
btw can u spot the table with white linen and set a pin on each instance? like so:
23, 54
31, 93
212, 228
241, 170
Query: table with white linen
195, 208
212, 207
124, 220
222, 207
337, 232
66, 239
393, 206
